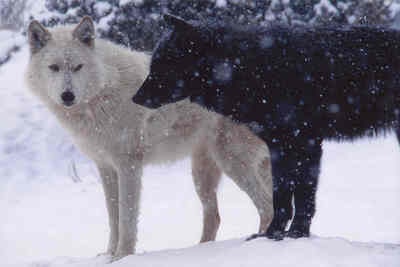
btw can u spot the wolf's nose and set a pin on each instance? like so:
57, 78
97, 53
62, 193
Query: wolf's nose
68, 98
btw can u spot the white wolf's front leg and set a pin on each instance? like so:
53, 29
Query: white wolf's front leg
109, 180
129, 184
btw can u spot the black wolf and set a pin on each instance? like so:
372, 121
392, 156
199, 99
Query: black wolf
294, 87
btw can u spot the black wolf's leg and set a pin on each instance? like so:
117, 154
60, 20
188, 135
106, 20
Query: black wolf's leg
398, 133
283, 172
306, 188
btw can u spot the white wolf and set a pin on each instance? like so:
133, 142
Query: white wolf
88, 85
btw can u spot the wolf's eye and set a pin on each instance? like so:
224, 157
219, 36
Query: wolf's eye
78, 67
54, 67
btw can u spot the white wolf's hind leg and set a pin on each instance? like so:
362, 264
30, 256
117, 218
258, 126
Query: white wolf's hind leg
246, 159
258, 186
264, 175
109, 180
206, 176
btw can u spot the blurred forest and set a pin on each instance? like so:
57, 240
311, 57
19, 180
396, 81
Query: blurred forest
138, 24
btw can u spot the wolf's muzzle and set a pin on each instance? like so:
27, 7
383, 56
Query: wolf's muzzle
141, 99
148, 103
68, 98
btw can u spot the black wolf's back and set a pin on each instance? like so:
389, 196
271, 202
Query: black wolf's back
343, 80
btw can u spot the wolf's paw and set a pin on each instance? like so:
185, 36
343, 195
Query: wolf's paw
119, 255
276, 235
300, 228
254, 236
293, 233
106, 256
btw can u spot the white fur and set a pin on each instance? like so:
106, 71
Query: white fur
121, 137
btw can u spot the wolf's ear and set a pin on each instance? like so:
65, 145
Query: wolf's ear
85, 32
177, 22
38, 36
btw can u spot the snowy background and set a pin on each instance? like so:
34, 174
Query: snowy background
53, 211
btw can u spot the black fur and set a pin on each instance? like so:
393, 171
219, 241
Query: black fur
294, 87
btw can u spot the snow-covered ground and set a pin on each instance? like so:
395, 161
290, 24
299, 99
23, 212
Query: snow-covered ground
55, 216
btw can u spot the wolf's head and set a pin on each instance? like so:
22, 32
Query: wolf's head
175, 71
63, 66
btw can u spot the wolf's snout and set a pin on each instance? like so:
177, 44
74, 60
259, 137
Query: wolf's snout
144, 101
68, 98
